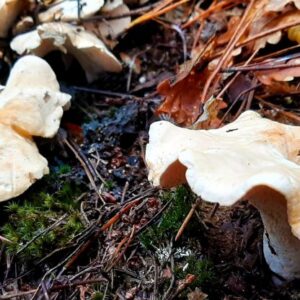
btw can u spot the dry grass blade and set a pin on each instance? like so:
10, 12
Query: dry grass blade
215, 7
242, 27
185, 222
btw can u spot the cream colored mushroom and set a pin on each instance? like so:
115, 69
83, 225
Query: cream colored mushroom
30, 104
20, 163
111, 5
91, 53
9, 10
69, 10
252, 158
110, 29
31, 101
113, 28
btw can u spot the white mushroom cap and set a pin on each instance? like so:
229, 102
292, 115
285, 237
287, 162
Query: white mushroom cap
69, 10
91, 53
110, 5
30, 104
20, 163
9, 10
31, 101
113, 28
245, 159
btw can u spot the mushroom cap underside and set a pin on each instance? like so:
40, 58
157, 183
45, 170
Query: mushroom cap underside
247, 157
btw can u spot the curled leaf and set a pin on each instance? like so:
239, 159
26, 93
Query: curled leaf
268, 77
183, 98
278, 5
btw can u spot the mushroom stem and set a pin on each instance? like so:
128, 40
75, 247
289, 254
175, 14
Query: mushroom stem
252, 158
281, 248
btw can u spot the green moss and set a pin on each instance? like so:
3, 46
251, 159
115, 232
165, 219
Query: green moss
201, 268
181, 199
64, 169
42, 208
109, 184
97, 296
112, 111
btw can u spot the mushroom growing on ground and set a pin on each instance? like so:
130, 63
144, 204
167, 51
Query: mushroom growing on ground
252, 158
30, 105
91, 52
31, 102
20, 163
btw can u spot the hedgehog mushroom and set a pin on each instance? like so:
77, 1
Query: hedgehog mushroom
20, 163
91, 53
32, 85
30, 105
252, 158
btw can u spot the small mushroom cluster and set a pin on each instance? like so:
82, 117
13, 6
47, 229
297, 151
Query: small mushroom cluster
84, 46
252, 158
57, 31
31, 104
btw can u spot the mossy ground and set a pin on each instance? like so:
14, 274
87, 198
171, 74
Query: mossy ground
41, 209
165, 230
172, 219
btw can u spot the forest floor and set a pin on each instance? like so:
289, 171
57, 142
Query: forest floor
95, 228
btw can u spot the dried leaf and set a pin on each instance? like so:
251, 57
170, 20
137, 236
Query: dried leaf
278, 5
109, 30
197, 294
9, 10
183, 98
112, 28
209, 117
285, 74
266, 19
132, 62
231, 27
280, 88
294, 34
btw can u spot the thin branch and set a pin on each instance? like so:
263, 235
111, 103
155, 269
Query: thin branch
267, 32
241, 28
259, 68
